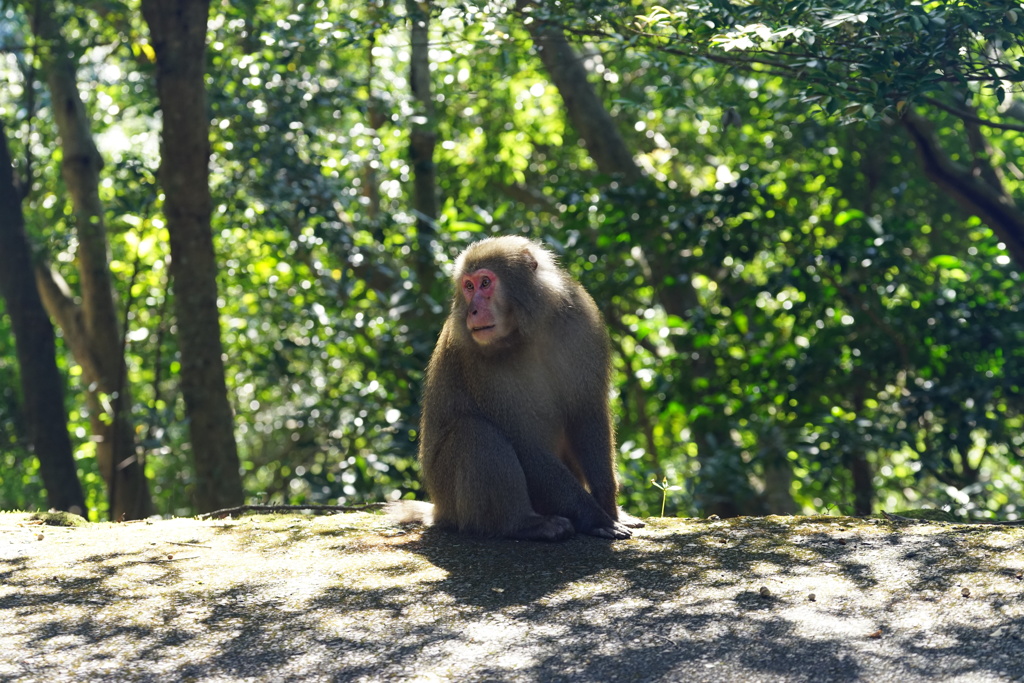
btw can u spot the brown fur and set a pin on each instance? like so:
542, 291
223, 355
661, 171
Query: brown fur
516, 437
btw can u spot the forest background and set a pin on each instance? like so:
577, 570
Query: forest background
226, 231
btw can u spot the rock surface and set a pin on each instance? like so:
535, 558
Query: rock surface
351, 597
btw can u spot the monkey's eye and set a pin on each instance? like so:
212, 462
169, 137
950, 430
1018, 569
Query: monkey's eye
467, 285
485, 283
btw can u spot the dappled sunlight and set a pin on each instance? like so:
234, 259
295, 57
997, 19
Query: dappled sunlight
226, 253
811, 308
353, 596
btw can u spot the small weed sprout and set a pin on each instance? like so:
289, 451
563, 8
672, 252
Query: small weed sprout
665, 488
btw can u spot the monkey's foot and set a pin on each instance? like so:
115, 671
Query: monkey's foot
629, 520
615, 531
544, 528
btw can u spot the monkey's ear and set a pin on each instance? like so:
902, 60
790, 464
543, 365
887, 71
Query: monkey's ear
531, 260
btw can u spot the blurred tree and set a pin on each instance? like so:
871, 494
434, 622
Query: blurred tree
178, 33
91, 329
41, 383
422, 139
722, 491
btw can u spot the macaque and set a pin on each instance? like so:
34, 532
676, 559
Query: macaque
516, 437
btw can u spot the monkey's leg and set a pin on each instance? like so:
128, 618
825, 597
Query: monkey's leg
492, 498
555, 490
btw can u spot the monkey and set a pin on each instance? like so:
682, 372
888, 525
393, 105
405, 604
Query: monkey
516, 437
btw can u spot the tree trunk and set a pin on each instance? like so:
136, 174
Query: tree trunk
863, 483
41, 382
178, 33
91, 329
422, 139
862, 478
584, 106
777, 498
724, 488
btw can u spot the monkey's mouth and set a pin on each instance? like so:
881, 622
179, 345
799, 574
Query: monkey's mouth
484, 334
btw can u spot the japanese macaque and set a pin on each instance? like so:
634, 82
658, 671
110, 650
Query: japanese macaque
516, 437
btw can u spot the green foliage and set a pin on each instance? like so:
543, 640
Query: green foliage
788, 297
863, 59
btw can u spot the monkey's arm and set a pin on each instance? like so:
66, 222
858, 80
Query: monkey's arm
590, 437
593, 445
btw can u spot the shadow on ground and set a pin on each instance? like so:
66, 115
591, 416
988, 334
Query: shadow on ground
351, 597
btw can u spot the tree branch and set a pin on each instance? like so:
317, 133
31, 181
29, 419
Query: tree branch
973, 118
267, 509
61, 306
992, 204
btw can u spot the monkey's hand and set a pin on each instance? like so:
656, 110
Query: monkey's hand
616, 531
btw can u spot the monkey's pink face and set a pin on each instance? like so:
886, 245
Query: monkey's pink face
484, 316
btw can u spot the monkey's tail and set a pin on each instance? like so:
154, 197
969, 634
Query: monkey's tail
410, 512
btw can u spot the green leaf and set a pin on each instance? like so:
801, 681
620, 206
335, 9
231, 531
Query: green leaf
945, 261
844, 217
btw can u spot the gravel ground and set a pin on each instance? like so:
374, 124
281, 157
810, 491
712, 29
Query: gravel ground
351, 597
